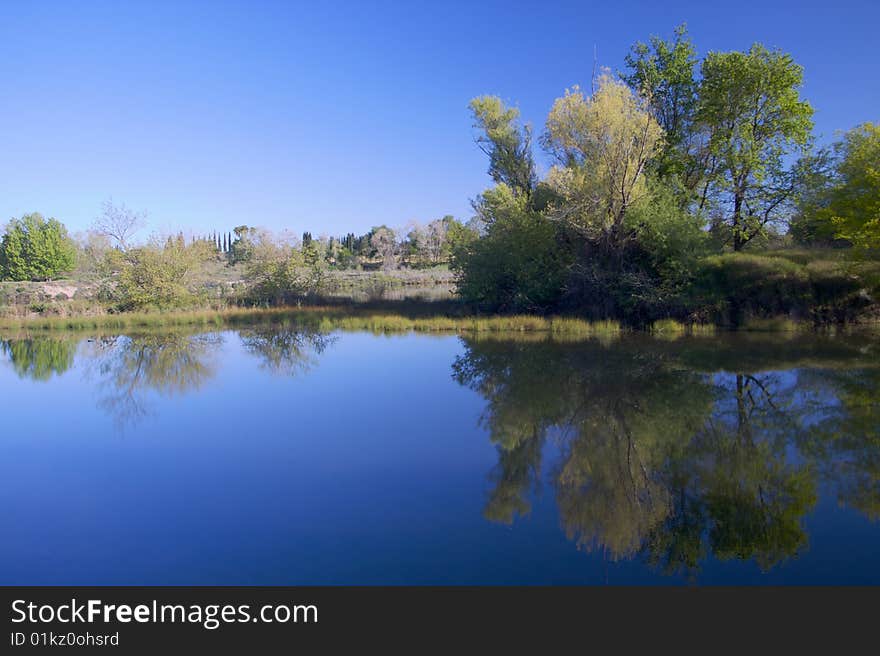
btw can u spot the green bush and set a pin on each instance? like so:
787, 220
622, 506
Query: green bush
35, 248
519, 264
159, 277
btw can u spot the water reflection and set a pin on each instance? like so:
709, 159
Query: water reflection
127, 369
845, 440
671, 452
39, 358
285, 351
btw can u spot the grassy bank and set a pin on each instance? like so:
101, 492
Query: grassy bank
323, 318
379, 319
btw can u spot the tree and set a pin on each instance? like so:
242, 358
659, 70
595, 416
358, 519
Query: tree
384, 243
751, 107
507, 144
663, 72
277, 273
854, 199
241, 249
119, 224
602, 145
34, 248
817, 175
436, 238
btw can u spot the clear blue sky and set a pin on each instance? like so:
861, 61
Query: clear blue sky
336, 118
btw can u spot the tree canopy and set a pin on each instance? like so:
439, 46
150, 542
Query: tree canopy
34, 248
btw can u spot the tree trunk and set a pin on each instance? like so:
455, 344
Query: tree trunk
737, 222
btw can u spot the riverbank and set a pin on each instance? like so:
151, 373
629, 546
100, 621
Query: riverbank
389, 317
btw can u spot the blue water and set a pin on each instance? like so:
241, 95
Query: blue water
348, 458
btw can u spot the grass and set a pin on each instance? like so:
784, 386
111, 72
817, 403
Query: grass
325, 318
672, 329
774, 325
389, 318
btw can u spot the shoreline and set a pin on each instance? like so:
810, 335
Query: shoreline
422, 317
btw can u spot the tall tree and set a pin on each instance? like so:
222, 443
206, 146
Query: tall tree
750, 105
507, 143
384, 242
663, 72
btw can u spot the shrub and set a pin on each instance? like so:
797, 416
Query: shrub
159, 276
519, 264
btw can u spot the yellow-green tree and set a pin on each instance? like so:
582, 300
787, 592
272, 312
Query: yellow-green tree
602, 144
161, 275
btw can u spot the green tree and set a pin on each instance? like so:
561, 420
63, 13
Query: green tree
751, 107
241, 248
663, 72
854, 199
35, 248
517, 264
277, 273
507, 143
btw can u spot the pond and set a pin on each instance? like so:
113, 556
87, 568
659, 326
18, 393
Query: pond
273, 455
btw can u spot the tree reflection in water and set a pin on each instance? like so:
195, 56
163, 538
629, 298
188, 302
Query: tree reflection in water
128, 368
39, 357
672, 451
284, 350
668, 451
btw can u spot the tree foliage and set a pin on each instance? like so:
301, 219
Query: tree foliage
853, 201
517, 264
160, 274
507, 143
602, 145
750, 105
34, 248
664, 73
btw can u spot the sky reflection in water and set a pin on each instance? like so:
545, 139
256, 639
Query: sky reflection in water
271, 456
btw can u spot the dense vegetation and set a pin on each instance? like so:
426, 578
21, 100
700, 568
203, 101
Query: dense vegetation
680, 189
671, 191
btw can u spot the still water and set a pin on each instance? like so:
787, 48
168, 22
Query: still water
272, 456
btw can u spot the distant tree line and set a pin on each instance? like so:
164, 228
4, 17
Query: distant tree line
167, 272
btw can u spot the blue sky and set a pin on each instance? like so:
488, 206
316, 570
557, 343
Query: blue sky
336, 117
